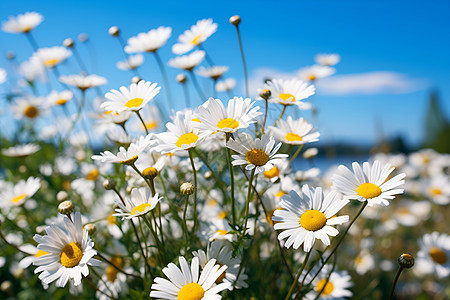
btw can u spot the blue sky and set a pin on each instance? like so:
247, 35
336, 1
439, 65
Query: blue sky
409, 39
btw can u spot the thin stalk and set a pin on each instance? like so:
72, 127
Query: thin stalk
122, 45
197, 87
295, 154
116, 267
281, 115
14, 246
230, 167
164, 76
207, 57
243, 60
97, 289
32, 41
79, 60
326, 281
191, 157
391, 296
265, 115
187, 99
247, 204
186, 202
142, 121
155, 236
294, 284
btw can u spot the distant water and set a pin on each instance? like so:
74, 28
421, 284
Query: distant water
324, 163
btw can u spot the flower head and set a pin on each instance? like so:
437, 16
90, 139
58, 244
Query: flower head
434, 255
83, 82
51, 57
290, 92
195, 36
131, 63
327, 59
149, 41
22, 23
126, 156
294, 132
140, 204
315, 72
15, 195
187, 62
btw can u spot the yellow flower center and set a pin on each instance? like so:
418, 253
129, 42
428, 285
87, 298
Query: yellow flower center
92, 175
221, 232
435, 191
71, 255
111, 272
31, 111
438, 255
151, 125
293, 137
135, 102
27, 29
274, 172
61, 101
111, 219
40, 253
313, 220
257, 157
51, 62
222, 215
140, 208
280, 194
129, 161
18, 198
312, 77
368, 190
403, 211
191, 291
195, 41
286, 97
228, 123
329, 287
187, 139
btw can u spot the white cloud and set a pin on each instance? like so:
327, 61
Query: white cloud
370, 83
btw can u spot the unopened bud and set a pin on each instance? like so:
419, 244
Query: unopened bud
310, 153
265, 94
114, 31
91, 228
406, 260
6, 286
109, 184
10, 55
129, 189
208, 175
150, 173
136, 79
181, 78
62, 196
83, 37
187, 188
66, 207
235, 20
68, 43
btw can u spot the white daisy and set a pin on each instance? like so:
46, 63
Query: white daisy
214, 117
290, 92
434, 254
327, 59
308, 216
112, 282
149, 41
33, 70
364, 262
187, 283
133, 98
59, 98
21, 150
187, 62
51, 57
22, 23
336, 287
138, 205
294, 132
181, 134
258, 153
216, 229
15, 195
195, 36
438, 189
221, 251
411, 213
315, 72
83, 82
214, 72
225, 85
131, 63
29, 108
369, 183
70, 251
126, 156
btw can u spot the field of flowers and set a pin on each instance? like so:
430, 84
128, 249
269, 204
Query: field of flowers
118, 196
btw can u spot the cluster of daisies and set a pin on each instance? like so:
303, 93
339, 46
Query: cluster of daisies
209, 203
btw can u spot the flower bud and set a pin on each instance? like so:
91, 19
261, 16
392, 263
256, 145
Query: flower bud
150, 173
91, 228
114, 31
265, 94
66, 207
406, 260
109, 184
83, 37
6, 286
10, 55
136, 79
208, 175
310, 153
68, 43
187, 188
235, 20
62, 196
181, 78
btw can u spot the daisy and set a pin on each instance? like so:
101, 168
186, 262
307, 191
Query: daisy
364, 262
187, 283
290, 92
221, 251
214, 72
213, 115
194, 36
308, 216
335, 287
294, 132
225, 85
216, 229
187, 62
23, 23
138, 205
258, 153
315, 72
112, 282
29, 107
438, 189
133, 98
33, 70
434, 254
83, 82
126, 156
59, 98
51, 57
369, 183
327, 59
181, 134
70, 251
15, 195
149, 41
131, 63
21, 150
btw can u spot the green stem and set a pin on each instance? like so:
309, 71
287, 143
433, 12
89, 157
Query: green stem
265, 115
247, 204
184, 219
197, 87
391, 296
295, 154
142, 121
281, 115
294, 284
164, 76
230, 168
243, 60
191, 157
